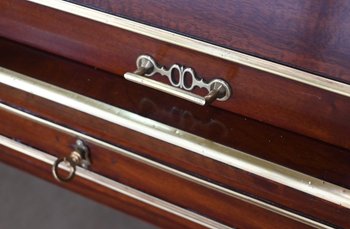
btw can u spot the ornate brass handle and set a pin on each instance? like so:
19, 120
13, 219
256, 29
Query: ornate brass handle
79, 156
147, 67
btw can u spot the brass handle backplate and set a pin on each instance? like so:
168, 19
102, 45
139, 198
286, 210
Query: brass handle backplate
78, 157
217, 89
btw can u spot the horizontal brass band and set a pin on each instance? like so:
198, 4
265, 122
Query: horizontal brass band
200, 46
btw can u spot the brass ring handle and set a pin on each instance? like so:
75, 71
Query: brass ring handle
187, 80
79, 156
71, 173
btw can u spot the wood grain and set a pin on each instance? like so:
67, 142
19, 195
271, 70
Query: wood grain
309, 35
288, 149
236, 131
264, 97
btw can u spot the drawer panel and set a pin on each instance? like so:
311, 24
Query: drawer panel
287, 185
250, 133
150, 177
294, 151
292, 105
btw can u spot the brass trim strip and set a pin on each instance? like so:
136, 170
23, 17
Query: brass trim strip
232, 157
115, 186
200, 46
164, 168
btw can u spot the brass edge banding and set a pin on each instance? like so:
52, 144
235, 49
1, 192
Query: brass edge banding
165, 168
115, 186
232, 157
200, 46
196, 144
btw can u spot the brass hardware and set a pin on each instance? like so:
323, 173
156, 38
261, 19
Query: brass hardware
146, 67
79, 156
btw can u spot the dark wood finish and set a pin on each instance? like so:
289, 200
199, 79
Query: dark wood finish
258, 95
309, 35
95, 84
288, 149
191, 196
96, 192
186, 161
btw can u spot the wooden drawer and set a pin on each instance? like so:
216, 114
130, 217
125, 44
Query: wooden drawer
284, 163
183, 193
282, 96
279, 146
201, 161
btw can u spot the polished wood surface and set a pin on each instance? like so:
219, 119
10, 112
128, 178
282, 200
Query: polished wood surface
306, 34
295, 151
264, 97
233, 130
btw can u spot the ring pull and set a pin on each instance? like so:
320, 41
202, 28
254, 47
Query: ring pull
146, 67
79, 156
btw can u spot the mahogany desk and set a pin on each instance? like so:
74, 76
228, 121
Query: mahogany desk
108, 94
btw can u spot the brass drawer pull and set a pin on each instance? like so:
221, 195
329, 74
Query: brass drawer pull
79, 156
146, 67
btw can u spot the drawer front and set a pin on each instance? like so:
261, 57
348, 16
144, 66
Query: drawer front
314, 158
159, 181
288, 149
302, 107
240, 170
